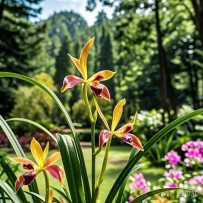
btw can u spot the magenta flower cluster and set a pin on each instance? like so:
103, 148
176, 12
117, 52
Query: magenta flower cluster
193, 151
138, 183
175, 174
172, 157
196, 180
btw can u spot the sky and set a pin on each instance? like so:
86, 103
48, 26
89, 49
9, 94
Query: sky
78, 6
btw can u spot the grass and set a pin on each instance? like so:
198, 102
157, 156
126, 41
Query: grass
118, 157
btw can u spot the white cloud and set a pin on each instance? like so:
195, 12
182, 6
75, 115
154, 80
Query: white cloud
78, 6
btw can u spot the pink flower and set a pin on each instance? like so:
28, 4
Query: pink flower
176, 174
173, 158
171, 185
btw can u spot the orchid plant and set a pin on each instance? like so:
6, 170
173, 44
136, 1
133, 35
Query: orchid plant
72, 175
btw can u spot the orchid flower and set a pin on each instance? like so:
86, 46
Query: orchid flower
32, 169
123, 132
93, 82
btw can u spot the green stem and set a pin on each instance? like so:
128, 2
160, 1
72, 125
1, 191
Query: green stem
101, 175
93, 122
87, 102
93, 159
47, 186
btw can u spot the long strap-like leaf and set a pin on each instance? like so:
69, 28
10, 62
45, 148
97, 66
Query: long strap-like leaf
18, 150
127, 169
35, 124
71, 165
154, 192
10, 193
63, 110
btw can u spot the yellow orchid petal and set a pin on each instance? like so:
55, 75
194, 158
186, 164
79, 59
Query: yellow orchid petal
83, 57
101, 115
77, 64
21, 160
134, 119
118, 110
50, 196
37, 152
105, 75
46, 150
53, 158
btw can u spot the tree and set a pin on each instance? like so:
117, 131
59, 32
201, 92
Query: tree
20, 42
101, 17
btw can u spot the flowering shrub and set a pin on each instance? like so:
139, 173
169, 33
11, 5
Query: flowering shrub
25, 140
178, 174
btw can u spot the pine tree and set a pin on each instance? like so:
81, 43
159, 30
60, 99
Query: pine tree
20, 44
106, 59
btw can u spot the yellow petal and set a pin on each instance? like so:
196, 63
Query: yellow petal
46, 150
83, 57
118, 110
106, 74
21, 160
37, 152
101, 114
77, 64
134, 118
53, 158
50, 196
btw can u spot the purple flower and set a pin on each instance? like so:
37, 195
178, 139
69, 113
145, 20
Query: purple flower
173, 158
176, 174
196, 180
171, 185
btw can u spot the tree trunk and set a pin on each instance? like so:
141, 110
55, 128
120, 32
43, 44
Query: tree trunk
162, 64
198, 16
1, 9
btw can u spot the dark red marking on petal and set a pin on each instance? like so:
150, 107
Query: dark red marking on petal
127, 139
99, 77
28, 178
28, 166
97, 90
127, 129
132, 140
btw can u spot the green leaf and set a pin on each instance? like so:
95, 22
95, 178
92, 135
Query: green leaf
36, 195
18, 150
154, 192
10, 193
63, 110
125, 172
35, 124
71, 166
64, 195
12, 178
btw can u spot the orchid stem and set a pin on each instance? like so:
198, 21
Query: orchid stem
101, 175
84, 87
93, 158
93, 122
47, 186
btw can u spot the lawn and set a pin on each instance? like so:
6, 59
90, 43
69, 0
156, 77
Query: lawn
118, 157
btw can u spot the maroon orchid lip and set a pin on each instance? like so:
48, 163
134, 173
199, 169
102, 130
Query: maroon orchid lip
97, 90
28, 178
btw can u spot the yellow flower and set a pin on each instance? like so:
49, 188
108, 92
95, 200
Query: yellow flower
93, 82
123, 132
32, 169
161, 200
